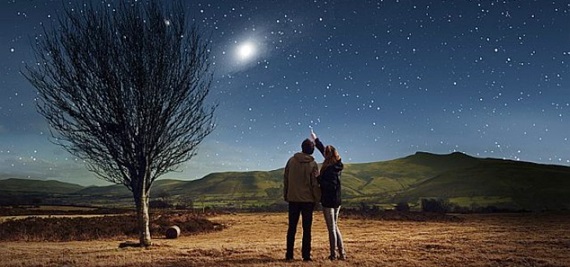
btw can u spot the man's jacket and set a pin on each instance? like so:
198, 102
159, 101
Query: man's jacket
300, 179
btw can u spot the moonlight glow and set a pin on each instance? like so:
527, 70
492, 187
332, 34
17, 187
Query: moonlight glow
246, 51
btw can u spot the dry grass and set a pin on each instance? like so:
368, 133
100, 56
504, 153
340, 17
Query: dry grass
259, 240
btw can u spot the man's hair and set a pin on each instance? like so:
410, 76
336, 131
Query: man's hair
308, 146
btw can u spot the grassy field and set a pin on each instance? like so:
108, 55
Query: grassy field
258, 239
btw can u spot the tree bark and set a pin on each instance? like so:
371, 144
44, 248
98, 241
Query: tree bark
143, 218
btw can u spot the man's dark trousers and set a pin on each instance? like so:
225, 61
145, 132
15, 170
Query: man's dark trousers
296, 209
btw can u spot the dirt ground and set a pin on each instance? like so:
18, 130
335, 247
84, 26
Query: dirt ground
258, 239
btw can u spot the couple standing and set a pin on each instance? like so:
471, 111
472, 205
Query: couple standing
305, 186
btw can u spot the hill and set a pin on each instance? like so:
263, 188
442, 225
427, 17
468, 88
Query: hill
26, 191
510, 184
460, 178
383, 180
15, 185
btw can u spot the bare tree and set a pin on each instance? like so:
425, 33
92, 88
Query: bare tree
124, 87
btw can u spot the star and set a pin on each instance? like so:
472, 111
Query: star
379, 80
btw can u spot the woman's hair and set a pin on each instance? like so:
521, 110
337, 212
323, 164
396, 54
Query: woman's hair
331, 158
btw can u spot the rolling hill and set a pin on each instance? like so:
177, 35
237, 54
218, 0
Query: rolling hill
460, 178
37, 186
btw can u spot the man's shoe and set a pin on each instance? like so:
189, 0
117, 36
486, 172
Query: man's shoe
308, 259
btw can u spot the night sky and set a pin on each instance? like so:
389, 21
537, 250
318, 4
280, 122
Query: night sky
379, 80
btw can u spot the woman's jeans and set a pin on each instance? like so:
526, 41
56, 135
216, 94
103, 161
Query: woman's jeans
335, 237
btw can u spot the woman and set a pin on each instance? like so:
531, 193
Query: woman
329, 179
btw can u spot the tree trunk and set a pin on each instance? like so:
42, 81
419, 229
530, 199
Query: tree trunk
143, 219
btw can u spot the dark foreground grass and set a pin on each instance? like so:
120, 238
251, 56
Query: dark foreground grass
77, 228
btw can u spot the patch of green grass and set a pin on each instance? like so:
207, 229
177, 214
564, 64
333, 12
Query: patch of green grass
458, 177
481, 201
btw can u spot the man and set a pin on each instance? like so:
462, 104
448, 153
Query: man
302, 191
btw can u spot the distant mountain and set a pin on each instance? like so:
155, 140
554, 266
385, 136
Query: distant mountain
464, 180
513, 184
390, 177
37, 186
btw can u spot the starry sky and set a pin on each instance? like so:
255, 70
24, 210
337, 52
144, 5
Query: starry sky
379, 80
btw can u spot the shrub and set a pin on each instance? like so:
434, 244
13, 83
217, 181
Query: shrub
439, 205
159, 204
104, 227
402, 206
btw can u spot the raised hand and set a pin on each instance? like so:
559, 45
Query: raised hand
313, 135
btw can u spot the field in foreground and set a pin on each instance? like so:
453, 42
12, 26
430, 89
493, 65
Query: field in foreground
258, 239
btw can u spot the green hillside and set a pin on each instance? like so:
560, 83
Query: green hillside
235, 184
26, 191
462, 179
110, 190
15, 185
161, 185
240, 188
510, 184
382, 180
